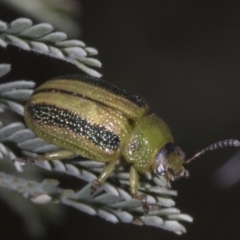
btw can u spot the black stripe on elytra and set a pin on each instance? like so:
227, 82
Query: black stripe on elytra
68, 93
139, 101
54, 116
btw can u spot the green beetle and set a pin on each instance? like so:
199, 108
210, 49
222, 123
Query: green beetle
90, 117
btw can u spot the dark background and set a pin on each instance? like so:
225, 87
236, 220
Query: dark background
183, 57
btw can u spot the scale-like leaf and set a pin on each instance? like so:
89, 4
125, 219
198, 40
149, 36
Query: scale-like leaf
41, 38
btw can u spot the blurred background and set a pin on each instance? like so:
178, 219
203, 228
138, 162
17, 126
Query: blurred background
183, 57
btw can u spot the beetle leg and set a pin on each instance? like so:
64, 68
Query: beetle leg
106, 172
48, 156
134, 183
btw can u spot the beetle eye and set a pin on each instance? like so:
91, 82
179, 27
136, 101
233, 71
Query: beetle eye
160, 169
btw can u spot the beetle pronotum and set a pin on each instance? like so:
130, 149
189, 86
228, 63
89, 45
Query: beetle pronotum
97, 120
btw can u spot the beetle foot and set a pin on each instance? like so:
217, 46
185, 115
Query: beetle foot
149, 206
24, 161
145, 205
95, 184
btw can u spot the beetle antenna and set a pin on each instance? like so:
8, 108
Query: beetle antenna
214, 146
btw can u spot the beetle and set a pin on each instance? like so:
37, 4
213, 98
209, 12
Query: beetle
90, 117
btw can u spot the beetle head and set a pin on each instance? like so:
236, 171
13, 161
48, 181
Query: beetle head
169, 162
170, 159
